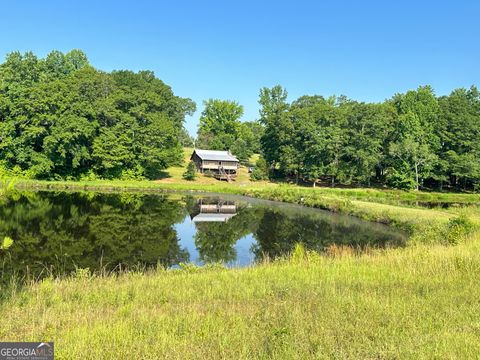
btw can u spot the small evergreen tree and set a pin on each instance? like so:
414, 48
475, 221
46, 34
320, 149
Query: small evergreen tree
191, 172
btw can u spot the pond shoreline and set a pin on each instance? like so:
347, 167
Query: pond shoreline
422, 224
62, 231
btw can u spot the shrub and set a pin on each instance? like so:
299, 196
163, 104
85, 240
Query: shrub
400, 180
132, 174
89, 176
261, 170
457, 229
191, 172
257, 175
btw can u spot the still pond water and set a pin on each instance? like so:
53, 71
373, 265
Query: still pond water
57, 232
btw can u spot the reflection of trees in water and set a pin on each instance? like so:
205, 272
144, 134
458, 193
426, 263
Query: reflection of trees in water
215, 240
60, 231
279, 230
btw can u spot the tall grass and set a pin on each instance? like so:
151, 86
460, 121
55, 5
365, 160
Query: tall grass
418, 302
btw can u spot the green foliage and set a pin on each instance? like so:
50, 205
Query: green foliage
221, 129
412, 140
241, 150
6, 243
251, 132
191, 172
62, 119
185, 139
257, 175
260, 171
219, 124
458, 229
277, 134
400, 180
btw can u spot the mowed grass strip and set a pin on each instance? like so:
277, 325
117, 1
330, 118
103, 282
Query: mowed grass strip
417, 302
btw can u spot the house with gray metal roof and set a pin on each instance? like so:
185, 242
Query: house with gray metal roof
221, 164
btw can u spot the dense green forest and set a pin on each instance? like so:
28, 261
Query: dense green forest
412, 140
62, 119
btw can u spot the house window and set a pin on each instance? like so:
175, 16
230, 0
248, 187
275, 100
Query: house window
219, 163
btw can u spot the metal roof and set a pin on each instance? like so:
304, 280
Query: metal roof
209, 217
215, 155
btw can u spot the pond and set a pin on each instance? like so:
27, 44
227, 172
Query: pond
54, 233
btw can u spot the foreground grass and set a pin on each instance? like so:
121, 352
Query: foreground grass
418, 302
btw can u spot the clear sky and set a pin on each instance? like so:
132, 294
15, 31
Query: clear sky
367, 50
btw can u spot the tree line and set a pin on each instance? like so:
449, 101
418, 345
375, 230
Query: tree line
411, 140
220, 128
60, 118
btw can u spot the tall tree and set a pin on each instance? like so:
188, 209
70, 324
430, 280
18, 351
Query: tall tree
219, 124
413, 150
367, 131
273, 107
459, 131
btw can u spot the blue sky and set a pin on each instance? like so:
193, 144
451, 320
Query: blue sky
367, 50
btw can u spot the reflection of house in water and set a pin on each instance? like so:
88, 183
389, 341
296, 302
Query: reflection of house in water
214, 211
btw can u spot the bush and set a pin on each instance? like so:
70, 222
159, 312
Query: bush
257, 175
260, 172
89, 176
191, 172
457, 229
400, 181
132, 174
